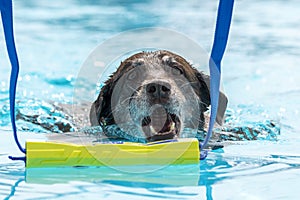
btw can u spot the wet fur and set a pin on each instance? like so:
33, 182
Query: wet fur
101, 111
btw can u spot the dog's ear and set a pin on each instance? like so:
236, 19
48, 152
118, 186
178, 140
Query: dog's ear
93, 114
101, 108
203, 88
223, 101
96, 109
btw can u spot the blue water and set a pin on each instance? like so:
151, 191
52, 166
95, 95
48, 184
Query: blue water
260, 77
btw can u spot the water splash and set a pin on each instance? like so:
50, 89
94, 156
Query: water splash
38, 116
248, 122
46, 117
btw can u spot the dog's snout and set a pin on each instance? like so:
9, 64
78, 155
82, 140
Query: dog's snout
158, 89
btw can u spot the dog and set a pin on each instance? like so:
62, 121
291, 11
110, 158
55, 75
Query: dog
154, 96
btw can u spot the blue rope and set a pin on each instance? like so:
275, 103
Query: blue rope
7, 21
218, 49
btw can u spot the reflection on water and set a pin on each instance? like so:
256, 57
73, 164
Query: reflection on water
169, 182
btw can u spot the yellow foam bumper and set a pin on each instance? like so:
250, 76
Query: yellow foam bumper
54, 154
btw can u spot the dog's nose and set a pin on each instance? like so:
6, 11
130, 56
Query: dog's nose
158, 89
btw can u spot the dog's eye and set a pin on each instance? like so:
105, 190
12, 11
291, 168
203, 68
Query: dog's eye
176, 70
132, 75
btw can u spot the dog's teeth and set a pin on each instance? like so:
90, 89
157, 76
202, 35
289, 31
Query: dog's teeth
172, 126
153, 130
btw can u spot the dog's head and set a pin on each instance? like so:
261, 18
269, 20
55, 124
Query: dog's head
160, 92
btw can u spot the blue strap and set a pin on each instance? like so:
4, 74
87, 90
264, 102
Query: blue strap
7, 21
219, 45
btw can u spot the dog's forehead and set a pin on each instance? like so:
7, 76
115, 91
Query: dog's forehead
167, 59
153, 60
138, 62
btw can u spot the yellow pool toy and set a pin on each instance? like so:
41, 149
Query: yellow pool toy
61, 154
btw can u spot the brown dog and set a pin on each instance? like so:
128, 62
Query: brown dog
158, 94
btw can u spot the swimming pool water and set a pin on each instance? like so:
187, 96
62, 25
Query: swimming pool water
260, 77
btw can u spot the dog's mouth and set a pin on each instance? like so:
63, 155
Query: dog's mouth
161, 126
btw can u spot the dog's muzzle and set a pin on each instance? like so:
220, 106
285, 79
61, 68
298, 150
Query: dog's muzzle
161, 125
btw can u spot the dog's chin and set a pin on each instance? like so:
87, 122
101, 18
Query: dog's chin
155, 132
